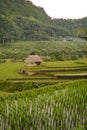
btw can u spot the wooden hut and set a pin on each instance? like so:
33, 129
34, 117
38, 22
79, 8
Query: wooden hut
33, 60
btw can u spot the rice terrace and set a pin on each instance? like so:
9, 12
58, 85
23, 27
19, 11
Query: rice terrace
43, 67
51, 95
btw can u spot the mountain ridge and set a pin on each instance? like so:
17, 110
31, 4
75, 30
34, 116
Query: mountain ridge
22, 20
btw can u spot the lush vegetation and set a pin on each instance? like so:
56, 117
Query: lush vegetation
49, 50
11, 69
51, 108
52, 96
40, 101
20, 19
82, 33
20, 77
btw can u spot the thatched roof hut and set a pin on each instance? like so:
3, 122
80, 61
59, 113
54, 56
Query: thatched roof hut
33, 59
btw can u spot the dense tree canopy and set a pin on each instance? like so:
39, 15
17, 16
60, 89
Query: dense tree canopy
21, 19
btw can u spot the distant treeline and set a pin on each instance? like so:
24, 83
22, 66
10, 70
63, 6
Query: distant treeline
49, 50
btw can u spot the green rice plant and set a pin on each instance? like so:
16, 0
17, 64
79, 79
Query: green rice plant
55, 109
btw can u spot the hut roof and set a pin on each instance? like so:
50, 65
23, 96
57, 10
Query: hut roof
33, 58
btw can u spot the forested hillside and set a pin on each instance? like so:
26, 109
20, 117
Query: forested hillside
21, 20
73, 26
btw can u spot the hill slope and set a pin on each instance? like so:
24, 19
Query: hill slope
71, 25
20, 19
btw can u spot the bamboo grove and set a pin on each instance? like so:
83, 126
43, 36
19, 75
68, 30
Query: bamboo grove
54, 109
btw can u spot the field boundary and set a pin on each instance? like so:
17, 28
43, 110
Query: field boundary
53, 77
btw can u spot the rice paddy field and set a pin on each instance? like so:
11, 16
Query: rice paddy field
52, 96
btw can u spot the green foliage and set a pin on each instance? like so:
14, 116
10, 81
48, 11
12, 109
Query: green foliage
46, 104
12, 87
80, 128
10, 70
50, 108
82, 33
21, 19
50, 50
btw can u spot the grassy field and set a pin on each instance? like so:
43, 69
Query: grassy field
11, 69
47, 74
42, 101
